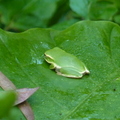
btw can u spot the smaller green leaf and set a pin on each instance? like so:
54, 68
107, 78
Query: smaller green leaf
104, 10
7, 99
80, 7
95, 9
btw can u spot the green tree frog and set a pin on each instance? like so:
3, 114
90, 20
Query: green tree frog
65, 64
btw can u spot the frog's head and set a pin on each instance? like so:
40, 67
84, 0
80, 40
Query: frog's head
48, 58
51, 55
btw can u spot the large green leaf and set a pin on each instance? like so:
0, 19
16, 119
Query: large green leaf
95, 96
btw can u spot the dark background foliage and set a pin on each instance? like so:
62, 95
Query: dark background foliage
20, 15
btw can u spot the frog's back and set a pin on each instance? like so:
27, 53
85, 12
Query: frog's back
65, 59
72, 61
55, 53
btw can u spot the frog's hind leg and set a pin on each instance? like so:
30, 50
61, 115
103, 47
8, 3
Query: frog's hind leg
69, 72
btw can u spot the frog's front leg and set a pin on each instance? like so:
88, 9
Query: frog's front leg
68, 72
54, 66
